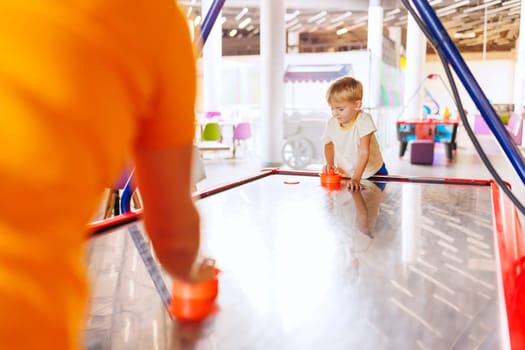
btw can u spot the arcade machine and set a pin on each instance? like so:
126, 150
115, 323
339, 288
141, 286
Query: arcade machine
432, 127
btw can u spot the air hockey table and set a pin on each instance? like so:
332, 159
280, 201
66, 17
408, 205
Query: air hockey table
408, 263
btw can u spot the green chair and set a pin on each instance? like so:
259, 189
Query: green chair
211, 132
211, 138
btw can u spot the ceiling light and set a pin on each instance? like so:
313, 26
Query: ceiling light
292, 23
393, 12
245, 22
446, 9
188, 13
197, 20
341, 31
335, 25
316, 17
232, 33
241, 14
294, 28
321, 20
462, 15
355, 26
464, 35
389, 18
447, 12
506, 5
361, 19
223, 19
482, 6
290, 16
343, 16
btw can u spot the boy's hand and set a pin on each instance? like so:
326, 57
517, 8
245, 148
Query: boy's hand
355, 185
327, 168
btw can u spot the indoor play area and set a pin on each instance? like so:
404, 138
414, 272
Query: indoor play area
408, 262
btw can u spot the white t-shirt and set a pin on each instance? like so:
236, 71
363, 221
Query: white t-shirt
346, 144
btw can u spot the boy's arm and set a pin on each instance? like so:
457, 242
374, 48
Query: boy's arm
329, 155
362, 213
170, 216
362, 160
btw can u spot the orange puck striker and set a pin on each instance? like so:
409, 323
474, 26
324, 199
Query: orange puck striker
331, 180
194, 301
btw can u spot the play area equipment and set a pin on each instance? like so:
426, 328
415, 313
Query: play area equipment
433, 125
435, 32
422, 152
431, 107
427, 129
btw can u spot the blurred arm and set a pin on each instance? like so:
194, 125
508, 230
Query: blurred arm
170, 216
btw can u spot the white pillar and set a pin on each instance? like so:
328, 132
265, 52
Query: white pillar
519, 80
375, 47
211, 64
414, 71
273, 46
394, 33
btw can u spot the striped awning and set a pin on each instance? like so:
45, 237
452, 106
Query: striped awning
313, 73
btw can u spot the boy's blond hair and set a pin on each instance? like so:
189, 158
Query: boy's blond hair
344, 89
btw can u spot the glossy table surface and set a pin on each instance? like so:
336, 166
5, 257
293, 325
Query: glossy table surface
410, 267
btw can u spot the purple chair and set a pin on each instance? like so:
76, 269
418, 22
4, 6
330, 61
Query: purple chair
422, 152
480, 126
515, 128
212, 114
241, 132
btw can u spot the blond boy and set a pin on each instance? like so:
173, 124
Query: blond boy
350, 145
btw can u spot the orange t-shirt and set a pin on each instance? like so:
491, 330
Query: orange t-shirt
82, 82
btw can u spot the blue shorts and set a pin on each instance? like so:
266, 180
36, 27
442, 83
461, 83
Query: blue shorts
382, 171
